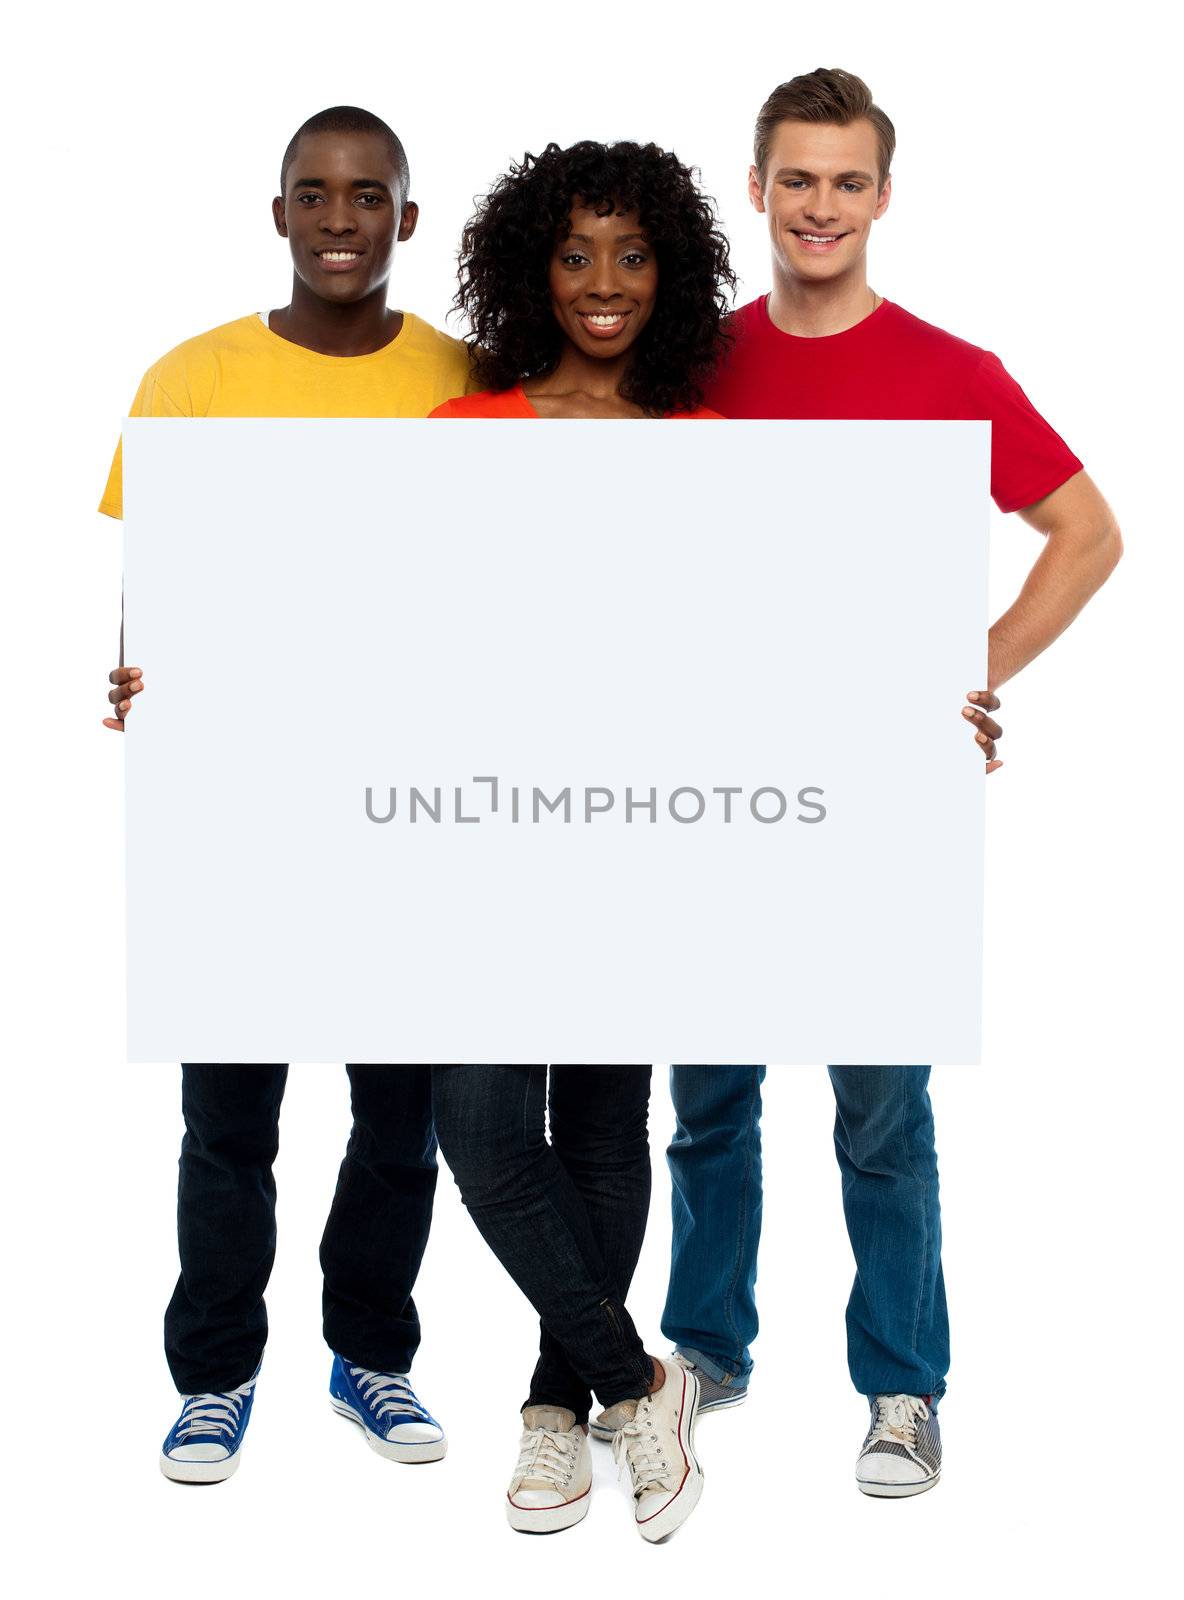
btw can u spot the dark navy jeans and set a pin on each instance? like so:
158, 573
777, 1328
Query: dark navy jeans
897, 1327
565, 1217
215, 1326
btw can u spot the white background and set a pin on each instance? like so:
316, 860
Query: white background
1036, 213
654, 656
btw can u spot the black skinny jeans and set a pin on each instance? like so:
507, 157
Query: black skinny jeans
216, 1323
566, 1219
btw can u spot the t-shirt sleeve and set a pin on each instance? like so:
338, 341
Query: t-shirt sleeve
151, 401
1029, 459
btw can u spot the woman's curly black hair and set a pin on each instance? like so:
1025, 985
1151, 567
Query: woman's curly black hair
506, 252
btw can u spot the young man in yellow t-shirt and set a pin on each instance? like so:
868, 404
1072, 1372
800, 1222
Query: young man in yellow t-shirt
336, 350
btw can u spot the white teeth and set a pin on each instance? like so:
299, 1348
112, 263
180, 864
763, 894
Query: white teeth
339, 255
601, 322
819, 238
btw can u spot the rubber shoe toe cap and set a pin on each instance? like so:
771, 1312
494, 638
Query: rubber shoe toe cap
537, 1499
198, 1452
415, 1433
886, 1467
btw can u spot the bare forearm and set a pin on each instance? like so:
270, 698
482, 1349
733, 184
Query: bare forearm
1055, 591
128, 682
1082, 548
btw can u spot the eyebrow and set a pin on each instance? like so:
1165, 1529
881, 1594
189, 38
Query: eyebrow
622, 238
840, 177
358, 183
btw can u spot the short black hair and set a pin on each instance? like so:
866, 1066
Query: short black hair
506, 252
350, 119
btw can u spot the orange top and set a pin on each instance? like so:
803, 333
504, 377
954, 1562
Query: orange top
514, 403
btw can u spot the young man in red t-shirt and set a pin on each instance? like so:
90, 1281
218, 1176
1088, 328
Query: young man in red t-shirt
825, 344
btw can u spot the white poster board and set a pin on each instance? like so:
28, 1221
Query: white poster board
715, 669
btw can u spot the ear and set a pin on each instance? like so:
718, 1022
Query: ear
407, 221
755, 192
277, 215
885, 196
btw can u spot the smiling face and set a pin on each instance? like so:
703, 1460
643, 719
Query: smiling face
821, 193
604, 282
342, 213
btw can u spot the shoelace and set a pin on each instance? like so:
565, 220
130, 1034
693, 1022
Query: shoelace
548, 1456
896, 1419
643, 1452
212, 1413
386, 1393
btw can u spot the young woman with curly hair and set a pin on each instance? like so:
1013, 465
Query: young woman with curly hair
593, 279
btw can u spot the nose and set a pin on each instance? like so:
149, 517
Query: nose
604, 280
823, 207
337, 218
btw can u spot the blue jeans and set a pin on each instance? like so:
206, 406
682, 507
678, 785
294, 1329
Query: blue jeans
715, 1181
897, 1328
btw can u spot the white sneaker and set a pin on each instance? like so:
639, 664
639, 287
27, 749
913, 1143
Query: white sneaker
902, 1452
713, 1396
552, 1483
657, 1445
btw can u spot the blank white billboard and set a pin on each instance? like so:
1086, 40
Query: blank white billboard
596, 741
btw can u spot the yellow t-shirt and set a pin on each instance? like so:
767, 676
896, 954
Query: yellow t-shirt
244, 370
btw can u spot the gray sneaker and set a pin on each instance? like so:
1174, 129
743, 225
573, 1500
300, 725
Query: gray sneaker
902, 1452
713, 1396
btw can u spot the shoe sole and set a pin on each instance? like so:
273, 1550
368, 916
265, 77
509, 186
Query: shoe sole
672, 1517
198, 1471
896, 1491
547, 1519
410, 1454
706, 1407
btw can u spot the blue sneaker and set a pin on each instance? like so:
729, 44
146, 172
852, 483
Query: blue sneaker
384, 1406
203, 1444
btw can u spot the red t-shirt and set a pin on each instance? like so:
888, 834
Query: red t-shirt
516, 403
892, 366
